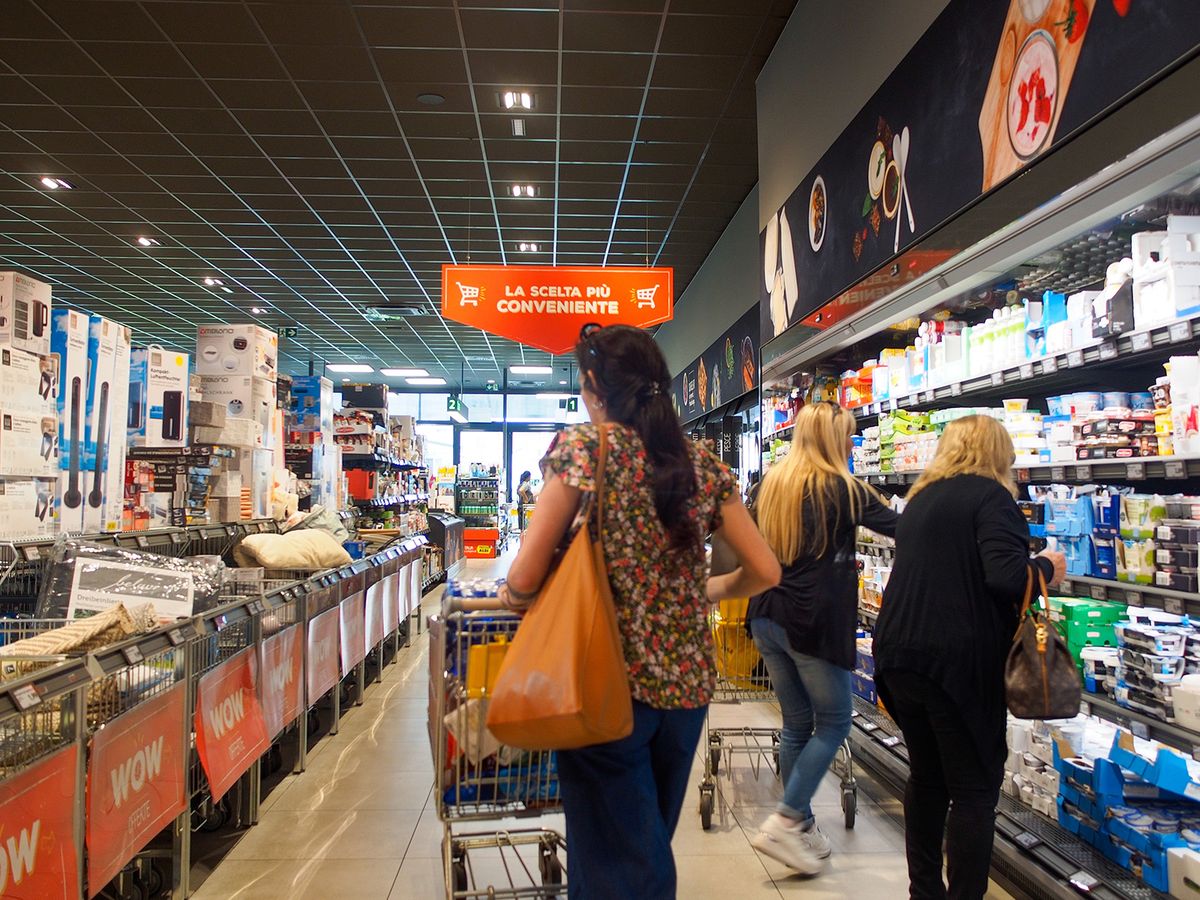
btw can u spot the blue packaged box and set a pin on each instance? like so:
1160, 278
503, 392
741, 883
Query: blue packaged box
863, 685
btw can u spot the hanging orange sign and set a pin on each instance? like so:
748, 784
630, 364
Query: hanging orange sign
545, 306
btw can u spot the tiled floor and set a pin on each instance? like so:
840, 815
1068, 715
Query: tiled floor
362, 823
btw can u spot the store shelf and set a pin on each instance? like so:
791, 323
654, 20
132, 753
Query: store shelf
867, 615
390, 502
1041, 372
1168, 468
377, 460
1032, 853
1142, 725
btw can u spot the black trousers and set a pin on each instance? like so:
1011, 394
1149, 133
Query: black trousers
951, 792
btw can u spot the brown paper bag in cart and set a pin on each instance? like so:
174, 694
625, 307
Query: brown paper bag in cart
563, 683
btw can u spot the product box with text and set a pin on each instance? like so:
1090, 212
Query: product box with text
24, 313
28, 508
98, 417
29, 381
112, 509
243, 397
69, 347
158, 397
312, 402
237, 350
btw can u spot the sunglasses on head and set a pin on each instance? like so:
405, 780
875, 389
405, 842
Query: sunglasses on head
586, 333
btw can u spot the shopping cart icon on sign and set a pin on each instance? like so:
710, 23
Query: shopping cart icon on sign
645, 297
468, 295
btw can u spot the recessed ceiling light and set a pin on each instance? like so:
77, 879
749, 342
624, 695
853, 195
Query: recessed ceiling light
54, 184
517, 100
431, 382
518, 127
530, 370
148, 241
431, 99
227, 290
563, 382
345, 381
360, 368
404, 373
257, 310
491, 381
522, 190
212, 282
527, 248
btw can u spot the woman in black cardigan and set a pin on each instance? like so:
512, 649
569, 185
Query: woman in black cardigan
948, 618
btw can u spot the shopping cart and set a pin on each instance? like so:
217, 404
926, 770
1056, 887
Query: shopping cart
742, 677
645, 296
468, 295
477, 778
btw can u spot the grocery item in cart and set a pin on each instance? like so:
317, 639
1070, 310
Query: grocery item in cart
84, 578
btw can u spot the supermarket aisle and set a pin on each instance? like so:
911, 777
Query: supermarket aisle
362, 821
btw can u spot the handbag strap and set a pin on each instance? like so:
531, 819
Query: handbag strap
1041, 589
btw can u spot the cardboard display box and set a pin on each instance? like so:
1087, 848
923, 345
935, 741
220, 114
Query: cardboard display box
158, 398
28, 507
69, 344
24, 313
243, 397
248, 350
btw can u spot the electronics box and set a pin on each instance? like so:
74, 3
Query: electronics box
69, 345
27, 444
158, 398
101, 403
243, 397
29, 381
248, 350
365, 396
113, 501
28, 508
312, 402
24, 313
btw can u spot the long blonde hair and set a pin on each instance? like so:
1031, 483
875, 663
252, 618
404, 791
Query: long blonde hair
972, 445
815, 464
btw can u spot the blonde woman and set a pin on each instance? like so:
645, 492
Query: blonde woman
808, 509
948, 618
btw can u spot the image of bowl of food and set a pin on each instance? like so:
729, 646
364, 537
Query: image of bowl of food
891, 189
1033, 95
702, 385
729, 358
818, 214
748, 365
876, 167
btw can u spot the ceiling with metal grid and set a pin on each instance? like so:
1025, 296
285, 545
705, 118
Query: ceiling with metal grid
287, 151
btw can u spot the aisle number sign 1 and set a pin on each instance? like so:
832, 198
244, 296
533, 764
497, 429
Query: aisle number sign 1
546, 306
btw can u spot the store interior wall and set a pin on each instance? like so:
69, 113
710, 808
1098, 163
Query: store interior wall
720, 293
829, 61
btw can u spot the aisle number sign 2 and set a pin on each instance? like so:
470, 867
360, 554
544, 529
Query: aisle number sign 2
545, 306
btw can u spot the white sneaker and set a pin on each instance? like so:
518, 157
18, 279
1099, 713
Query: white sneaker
787, 843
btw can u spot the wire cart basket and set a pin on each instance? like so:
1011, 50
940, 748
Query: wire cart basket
476, 778
742, 677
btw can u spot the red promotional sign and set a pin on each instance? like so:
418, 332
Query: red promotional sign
282, 697
374, 614
230, 734
38, 858
137, 783
322, 654
354, 631
391, 604
545, 306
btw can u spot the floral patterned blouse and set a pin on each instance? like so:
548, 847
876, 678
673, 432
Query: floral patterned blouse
660, 594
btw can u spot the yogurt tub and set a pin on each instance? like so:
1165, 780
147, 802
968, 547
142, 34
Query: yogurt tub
1191, 835
1141, 400
1086, 402
1115, 400
1139, 821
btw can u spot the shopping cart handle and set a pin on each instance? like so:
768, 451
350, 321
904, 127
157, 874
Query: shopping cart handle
473, 604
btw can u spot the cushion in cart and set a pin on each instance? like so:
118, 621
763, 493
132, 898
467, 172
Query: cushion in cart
305, 549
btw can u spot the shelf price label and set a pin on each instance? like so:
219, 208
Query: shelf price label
927, 397
1134, 598
1099, 592
1179, 332
1049, 365
1140, 730
1083, 473
1058, 473
1141, 342
1074, 359
1108, 349
956, 389
1025, 371
1175, 469
997, 379
1173, 605
1135, 471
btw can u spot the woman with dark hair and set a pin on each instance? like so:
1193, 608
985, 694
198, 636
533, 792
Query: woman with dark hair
662, 496
524, 496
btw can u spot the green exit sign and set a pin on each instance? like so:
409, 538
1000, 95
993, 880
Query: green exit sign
289, 331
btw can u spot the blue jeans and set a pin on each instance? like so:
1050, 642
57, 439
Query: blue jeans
622, 802
814, 696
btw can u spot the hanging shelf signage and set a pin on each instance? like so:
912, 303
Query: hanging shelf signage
989, 88
545, 306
